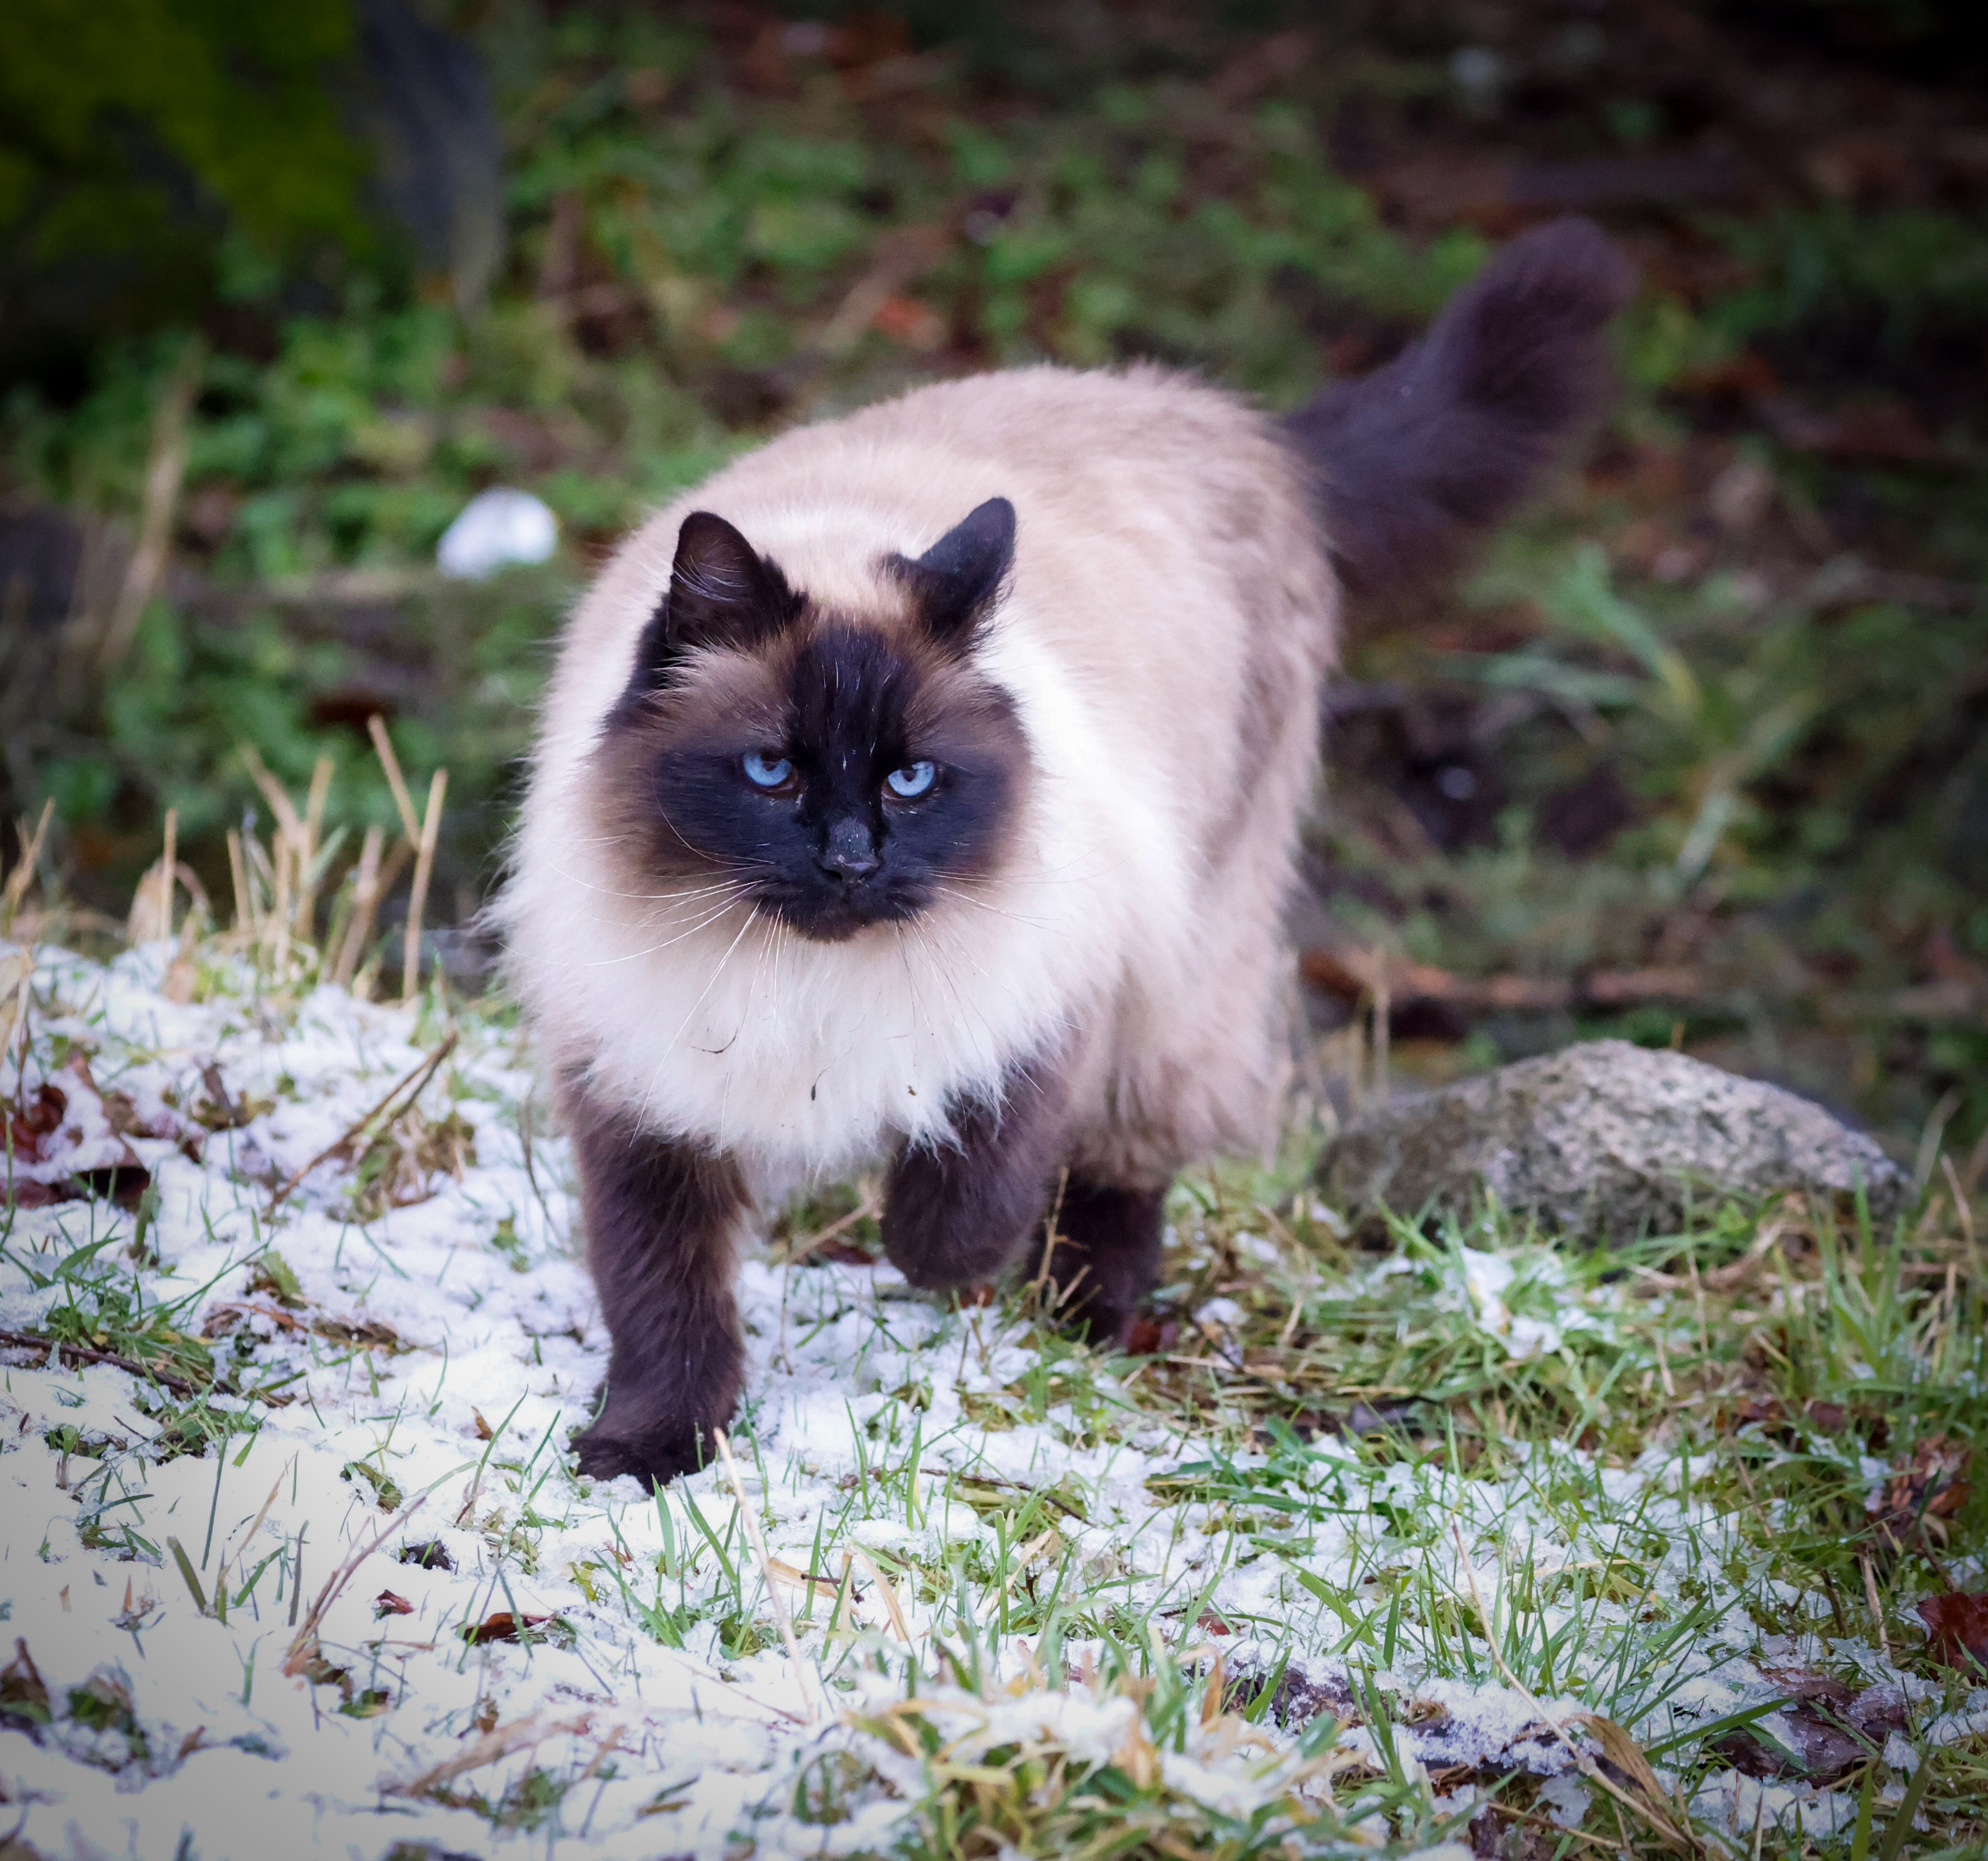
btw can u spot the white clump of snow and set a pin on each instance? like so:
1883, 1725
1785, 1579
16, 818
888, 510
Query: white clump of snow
1566, 1799
494, 529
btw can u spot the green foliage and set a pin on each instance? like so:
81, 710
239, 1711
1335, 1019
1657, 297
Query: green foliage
702, 252
1911, 263
93, 92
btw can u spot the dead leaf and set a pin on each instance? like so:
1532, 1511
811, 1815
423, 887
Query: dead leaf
387, 1603
24, 1699
1873, 432
843, 1254
30, 1194
1957, 1628
1149, 1337
1821, 1747
41, 1117
502, 1626
1919, 1498
781, 1571
1624, 1754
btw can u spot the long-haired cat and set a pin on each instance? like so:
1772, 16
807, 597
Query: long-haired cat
925, 788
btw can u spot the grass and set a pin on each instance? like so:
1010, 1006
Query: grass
1462, 1527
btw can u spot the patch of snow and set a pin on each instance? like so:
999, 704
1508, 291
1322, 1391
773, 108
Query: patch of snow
494, 529
418, 1389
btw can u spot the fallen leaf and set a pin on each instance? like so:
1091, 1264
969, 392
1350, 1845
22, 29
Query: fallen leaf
781, 1571
1875, 432
41, 1117
1957, 1628
1142, 1337
1918, 1498
30, 1194
843, 1254
366, 1334
387, 1603
1818, 1748
24, 1699
502, 1626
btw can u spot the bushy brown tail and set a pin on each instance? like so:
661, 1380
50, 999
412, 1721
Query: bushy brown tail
1420, 459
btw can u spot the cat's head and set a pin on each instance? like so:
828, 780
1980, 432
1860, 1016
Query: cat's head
835, 768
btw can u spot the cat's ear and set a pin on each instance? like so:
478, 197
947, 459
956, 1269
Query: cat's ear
956, 581
722, 592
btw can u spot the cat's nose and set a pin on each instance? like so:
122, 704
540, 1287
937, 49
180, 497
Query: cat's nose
850, 854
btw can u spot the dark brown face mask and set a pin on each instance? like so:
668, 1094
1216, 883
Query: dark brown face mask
837, 771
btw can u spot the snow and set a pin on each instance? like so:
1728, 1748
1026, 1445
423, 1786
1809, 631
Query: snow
446, 1338
496, 529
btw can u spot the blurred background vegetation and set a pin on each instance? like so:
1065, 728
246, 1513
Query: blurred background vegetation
1700, 756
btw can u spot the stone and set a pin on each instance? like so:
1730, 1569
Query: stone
1604, 1141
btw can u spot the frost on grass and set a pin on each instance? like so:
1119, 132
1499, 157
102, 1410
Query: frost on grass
297, 1562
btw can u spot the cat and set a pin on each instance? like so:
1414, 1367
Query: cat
925, 788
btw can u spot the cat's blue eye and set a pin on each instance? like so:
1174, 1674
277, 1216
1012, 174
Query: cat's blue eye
764, 771
912, 781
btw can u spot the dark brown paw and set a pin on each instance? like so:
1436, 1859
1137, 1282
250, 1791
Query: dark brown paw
1102, 1323
656, 1458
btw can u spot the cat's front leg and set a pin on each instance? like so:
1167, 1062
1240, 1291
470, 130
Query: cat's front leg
661, 1215
955, 1214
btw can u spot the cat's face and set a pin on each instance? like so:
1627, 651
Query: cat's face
833, 771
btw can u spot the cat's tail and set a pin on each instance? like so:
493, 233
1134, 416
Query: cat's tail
1419, 460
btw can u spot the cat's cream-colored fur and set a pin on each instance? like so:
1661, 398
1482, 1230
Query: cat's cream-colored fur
1167, 625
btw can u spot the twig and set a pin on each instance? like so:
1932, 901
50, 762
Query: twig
1877, 1609
417, 898
28, 1341
500, 1741
1720, 1279
238, 871
382, 747
750, 1519
23, 874
418, 1078
307, 875
868, 1206
1050, 1236
165, 472
304, 1645
900, 255
365, 897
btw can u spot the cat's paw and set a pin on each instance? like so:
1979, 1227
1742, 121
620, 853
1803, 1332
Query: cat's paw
1103, 1323
654, 1456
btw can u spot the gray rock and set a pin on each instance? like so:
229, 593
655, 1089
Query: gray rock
1603, 1140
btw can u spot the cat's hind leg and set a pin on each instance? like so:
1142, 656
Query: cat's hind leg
1106, 1257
